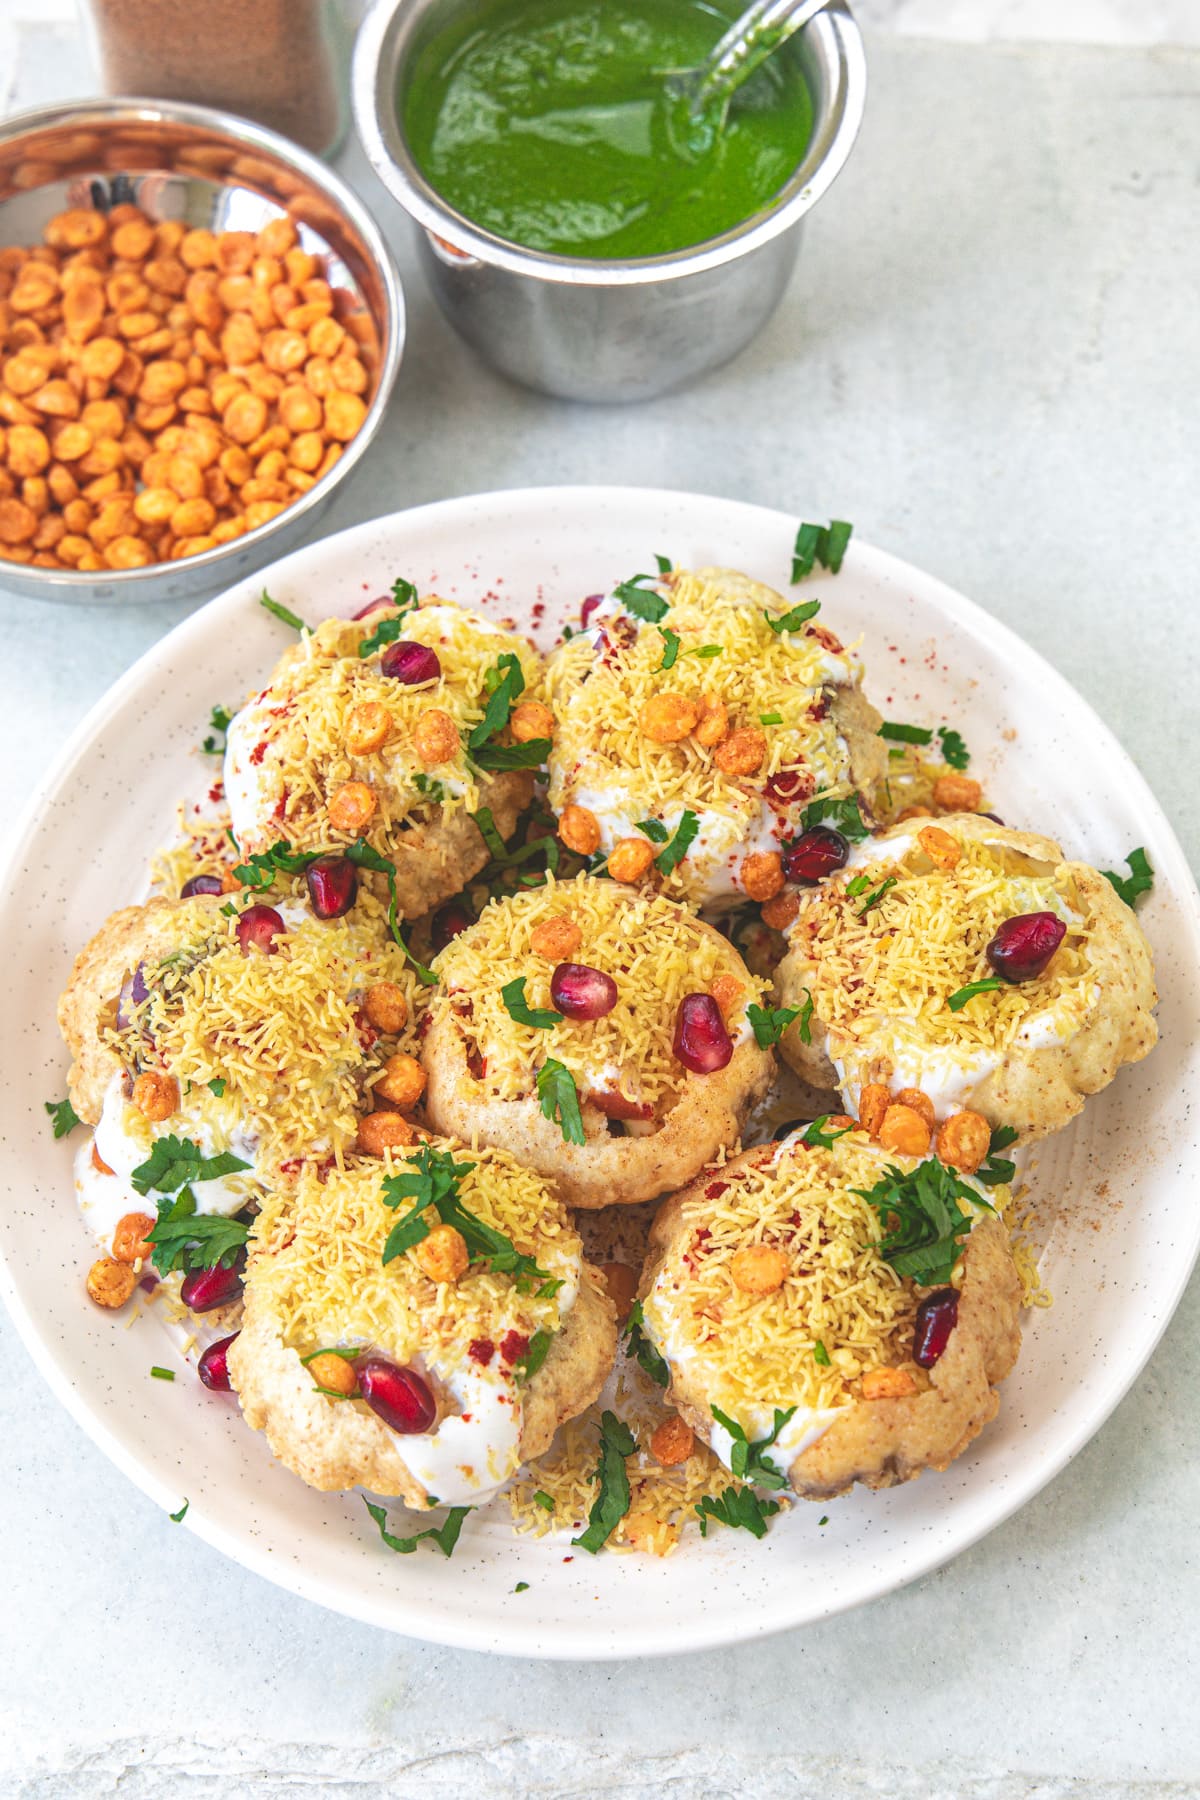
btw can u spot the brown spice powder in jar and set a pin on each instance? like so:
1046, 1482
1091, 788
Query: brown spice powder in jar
269, 60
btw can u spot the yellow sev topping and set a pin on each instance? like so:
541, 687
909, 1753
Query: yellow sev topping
891, 970
749, 1351
601, 749
655, 951
301, 719
284, 1032
317, 1263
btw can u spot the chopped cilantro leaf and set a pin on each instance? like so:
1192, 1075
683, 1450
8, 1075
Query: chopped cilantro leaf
821, 1354
63, 1116
958, 1000
642, 602
529, 755
806, 1013
185, 1239
161, 1374
559, 1100
674, 852
218, 719
544, 1500
998, 1171
905, 734
434, 1181
954, 751
738, 1507
876, 894
527, 1366
445, 1536
824, 1519
665, 565
670, 647
612, 1498
522, 1587
506, 681
281, 612
922, 1220
639, 1346
705, 651
746, 1459
794, 618
177, 1518
176, 1162
844, 815
824, 544
513, 996
658, 834
217, 1086
816, 1136
1139, 880
770, 1023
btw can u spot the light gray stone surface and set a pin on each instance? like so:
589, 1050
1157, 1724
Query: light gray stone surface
988, 361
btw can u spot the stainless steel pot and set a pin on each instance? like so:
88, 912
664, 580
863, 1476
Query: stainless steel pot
593, 330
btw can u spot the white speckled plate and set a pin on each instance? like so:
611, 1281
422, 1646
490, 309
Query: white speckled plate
1117, 1190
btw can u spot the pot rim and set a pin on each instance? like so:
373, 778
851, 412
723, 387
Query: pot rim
458, 240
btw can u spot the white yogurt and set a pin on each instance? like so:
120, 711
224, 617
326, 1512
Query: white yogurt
466, 1460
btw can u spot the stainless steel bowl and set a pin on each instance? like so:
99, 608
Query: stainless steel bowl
592, 330
222, 173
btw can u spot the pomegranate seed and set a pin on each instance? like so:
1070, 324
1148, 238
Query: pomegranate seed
785, 1130
448, 922
332, 886
410, 663
213, 1366
1023, 946
373, 606
582, 992
259, 926
400, 1396
936, 1318
702, 1043
588, 608
201, 884
206, 1289
815, 854
787, 788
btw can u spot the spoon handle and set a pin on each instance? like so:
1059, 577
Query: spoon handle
748, 42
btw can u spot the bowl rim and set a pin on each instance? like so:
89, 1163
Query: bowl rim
460, 241
107, 112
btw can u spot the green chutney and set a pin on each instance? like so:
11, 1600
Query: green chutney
545, 121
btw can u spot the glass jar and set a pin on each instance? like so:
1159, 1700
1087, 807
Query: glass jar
280, 62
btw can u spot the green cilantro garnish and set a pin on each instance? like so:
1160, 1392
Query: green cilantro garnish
820, 1354
434, 1181
670, 647
505, 683
544, 1500
641, 602
998, 1171
445, 1536
218, 719
176, 1518
612, 1499
363, 856
176, 1162
771, 718
825, 544
958, 1000
793, 619
281, 612
1139, 880
922, 1220
705, 651
217, 1086
522, 1587
161, 1374
844, 815
404, 596
954, 751
502, 857
905, 734
433, 791
182, 1237
738, 1507
63, 1116
665, 565
674, 852
529, 755
816, 1136
858, 883
824, 1519
746, 1459
559, 1100
639, 1346
806, 1013
658, 834
770, 1023
540, 1017
527, 1366
259, 872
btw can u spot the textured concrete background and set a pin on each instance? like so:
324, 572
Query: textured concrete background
988, 360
